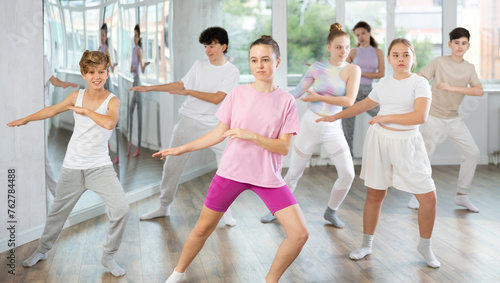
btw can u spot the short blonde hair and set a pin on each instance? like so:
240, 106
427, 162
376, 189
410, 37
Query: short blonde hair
92, 59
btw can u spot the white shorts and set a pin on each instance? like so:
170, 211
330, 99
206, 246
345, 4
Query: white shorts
397, 159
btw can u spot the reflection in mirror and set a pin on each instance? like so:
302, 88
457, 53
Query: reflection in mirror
144, 59
108, 26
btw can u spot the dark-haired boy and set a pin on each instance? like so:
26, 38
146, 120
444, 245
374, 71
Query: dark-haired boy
452, 77
205, 85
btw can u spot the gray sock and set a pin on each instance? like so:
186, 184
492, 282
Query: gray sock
330, 216
34, 258
267, 218
109, 262
162, 211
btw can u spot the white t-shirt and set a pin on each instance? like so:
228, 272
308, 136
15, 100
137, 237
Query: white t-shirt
206, 77
47, 74
398, 96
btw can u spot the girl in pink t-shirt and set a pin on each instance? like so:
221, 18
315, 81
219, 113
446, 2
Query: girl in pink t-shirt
260, 120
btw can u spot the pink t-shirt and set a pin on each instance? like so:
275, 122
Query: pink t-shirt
267, 114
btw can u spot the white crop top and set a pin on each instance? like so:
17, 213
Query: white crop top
398, 96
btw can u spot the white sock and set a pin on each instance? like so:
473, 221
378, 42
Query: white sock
162, 211
329, 215
176, 277
424, 248
413, 203
109, 262
463, 200
366, 248
267, 218
34, 258
228, 218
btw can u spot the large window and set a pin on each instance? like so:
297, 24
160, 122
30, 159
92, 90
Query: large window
372, 12
481, 19
308, 25
92, 26
421, 22
74, 25
245, 21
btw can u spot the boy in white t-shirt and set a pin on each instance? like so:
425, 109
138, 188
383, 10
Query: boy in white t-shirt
205, 85
452, 76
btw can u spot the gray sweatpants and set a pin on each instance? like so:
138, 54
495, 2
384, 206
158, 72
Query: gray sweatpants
72, 184
185, 130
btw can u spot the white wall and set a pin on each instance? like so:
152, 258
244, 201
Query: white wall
21, 78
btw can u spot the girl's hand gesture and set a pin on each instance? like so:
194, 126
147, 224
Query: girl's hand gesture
327, 119
313, 96
240, 134
379, 119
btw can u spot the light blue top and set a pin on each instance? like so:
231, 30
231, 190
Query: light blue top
326, 80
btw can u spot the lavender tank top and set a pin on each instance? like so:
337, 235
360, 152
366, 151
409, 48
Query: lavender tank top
135, 60
103, 48
366, 58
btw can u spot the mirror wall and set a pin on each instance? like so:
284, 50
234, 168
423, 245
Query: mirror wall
70, 28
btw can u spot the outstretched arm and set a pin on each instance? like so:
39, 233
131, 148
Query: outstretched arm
213, 137
417, 117
47, 112
107, 121
214, 98
58, 83
358, 108
166, 87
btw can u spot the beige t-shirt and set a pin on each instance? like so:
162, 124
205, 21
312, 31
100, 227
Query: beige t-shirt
443, 69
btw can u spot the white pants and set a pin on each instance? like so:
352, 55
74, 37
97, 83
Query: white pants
185, 130
436, 130
331, 136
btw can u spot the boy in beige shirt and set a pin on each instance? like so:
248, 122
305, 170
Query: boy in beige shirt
453, 79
